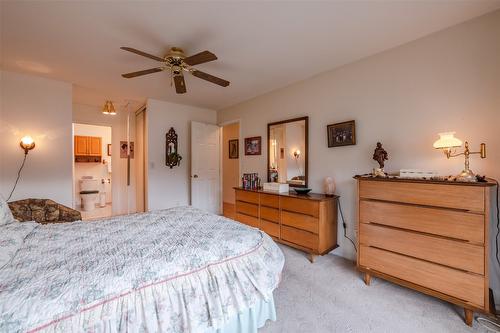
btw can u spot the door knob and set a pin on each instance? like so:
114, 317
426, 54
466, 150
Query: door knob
195, 176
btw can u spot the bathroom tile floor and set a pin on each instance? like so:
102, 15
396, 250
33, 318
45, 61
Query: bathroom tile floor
97, 213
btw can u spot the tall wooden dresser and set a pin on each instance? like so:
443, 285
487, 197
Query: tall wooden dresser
429, 236
306, 222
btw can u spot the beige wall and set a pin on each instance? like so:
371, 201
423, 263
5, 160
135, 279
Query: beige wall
171, 187
230, 167
403, 97
41, 108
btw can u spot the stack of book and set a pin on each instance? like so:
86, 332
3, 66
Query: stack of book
250, 181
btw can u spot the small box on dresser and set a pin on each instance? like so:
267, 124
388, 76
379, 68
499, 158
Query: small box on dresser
429, 236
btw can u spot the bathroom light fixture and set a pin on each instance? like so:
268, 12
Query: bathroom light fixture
108, 108
27, 143
447, 141
296, 154
105, 108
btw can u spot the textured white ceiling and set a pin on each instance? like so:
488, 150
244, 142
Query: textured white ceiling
261, 46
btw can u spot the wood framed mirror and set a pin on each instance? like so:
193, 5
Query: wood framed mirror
287, 153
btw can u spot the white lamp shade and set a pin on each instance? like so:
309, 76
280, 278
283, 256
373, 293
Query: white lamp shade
447, 140
27, 140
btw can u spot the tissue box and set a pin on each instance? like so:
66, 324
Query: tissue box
415, 173
276, 187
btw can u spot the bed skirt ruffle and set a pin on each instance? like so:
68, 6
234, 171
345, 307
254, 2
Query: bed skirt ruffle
250, 320
205, 300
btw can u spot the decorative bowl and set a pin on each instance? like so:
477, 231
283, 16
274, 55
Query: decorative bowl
301, 190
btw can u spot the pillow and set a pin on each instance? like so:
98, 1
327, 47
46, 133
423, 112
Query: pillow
5, 213
12, 237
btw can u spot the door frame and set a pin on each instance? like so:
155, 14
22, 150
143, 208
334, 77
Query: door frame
144, 176
100, 124
221, 156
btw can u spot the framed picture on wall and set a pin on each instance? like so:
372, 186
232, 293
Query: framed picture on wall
253, 145
123, 149
109, 149
233, 149
341, 134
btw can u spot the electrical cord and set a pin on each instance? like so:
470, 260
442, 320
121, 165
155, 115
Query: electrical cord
498, 225
489, 324
345, 226
493, 324
18, 176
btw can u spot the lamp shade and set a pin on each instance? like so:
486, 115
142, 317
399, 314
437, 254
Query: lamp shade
447, 140
27, 140
111, 108
105, 108
27, 143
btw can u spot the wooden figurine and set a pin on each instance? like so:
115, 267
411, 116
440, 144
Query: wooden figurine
380, 155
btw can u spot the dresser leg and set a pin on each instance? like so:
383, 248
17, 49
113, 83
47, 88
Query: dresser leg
312, 257
367, 278
469, 316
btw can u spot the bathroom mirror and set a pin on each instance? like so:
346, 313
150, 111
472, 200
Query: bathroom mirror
287, 151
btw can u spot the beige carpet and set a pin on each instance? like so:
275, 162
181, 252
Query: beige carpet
330, 296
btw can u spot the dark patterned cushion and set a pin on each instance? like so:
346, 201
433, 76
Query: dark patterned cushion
43, 211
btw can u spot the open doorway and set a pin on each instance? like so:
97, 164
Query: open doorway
92, 175
231, 154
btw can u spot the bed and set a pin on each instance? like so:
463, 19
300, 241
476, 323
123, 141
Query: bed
174, 270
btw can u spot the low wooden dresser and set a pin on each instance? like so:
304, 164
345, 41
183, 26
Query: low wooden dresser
306, 222
428, 236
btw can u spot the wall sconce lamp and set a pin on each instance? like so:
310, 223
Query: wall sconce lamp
296, 154
447, 141
27, 144
108, 108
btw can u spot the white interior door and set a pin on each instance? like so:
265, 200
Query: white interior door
205, 167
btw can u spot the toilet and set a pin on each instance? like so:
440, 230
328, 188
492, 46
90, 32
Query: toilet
89, 192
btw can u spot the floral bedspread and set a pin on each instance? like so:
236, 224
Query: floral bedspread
174, 270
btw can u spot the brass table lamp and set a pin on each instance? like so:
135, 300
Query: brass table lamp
447, 141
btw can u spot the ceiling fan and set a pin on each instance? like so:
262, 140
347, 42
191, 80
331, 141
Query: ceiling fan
177, 62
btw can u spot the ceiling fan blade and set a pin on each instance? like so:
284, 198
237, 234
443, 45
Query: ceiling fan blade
144, 72
200, 58
180, 84
210, 78
144, 54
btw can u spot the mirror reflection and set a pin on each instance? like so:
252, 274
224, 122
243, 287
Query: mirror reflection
288, 152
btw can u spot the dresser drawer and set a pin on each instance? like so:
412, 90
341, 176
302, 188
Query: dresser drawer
456, 254
247, 208
464, 197
269, 200
443, 222
465, 286
300, 221
248, 220
270, 214
299, 237
247, 196
270, 228
308, 207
